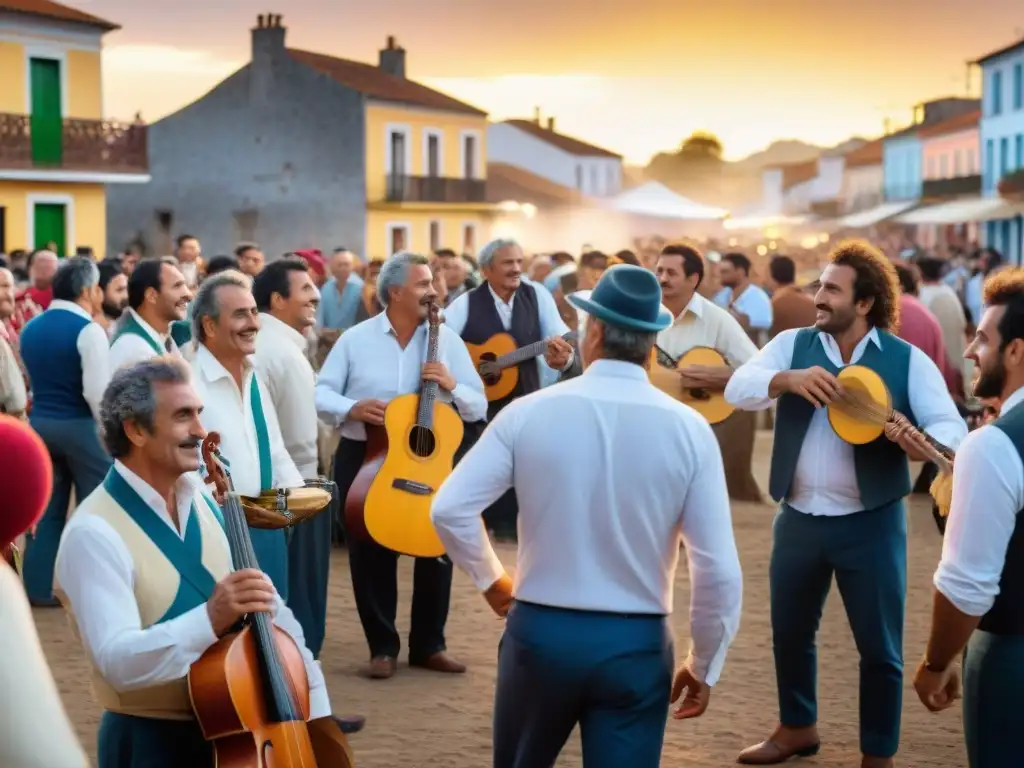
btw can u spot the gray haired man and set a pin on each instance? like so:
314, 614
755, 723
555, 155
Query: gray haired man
67, 357
372, 363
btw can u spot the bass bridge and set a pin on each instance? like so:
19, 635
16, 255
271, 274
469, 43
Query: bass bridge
411, 486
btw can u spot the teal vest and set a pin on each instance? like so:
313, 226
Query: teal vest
883, 472
1006, 617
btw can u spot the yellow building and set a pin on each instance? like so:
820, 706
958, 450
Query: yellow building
57, 154
425, 158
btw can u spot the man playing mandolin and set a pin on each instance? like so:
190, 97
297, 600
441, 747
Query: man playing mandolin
132, 563
373, 363
842, 510
506, 304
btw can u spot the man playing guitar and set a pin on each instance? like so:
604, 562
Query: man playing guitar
701, 323
505, 303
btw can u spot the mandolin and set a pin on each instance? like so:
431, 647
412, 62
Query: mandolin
498, 358
663, 373
419, 438
249, 691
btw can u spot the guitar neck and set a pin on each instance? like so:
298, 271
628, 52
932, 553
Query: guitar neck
428, 394
523, 354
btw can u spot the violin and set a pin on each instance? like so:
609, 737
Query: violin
249, 691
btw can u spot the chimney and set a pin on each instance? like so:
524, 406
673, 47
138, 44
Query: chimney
551, 124
536, 115
268, 52
392, 58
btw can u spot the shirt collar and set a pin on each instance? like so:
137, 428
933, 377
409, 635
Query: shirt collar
185, 488
212, 368
497, 298
695, 306
70, 306
385, 324
828, 341
274, 325
1012, 401
160, 337
616, 369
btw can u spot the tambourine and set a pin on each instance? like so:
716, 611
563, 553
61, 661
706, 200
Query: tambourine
285, 507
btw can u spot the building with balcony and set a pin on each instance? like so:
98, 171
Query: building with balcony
1002, 138
301, 149
538, 148
58, 154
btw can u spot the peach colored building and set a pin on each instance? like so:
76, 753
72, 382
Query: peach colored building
951, 149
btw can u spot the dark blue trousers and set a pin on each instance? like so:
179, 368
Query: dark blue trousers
994, 700
140, 742
867, 554
79, 462
309, 562
610, 673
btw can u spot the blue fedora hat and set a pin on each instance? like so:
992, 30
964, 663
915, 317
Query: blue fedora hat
628, 297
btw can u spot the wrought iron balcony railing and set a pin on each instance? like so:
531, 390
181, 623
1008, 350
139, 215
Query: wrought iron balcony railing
955, 187
434, 189
72, 144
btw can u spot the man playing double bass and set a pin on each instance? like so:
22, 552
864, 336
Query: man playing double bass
146, 570
842, 510
373, 363
701, 323
504, 303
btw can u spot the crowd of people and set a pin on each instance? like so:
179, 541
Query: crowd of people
122, 366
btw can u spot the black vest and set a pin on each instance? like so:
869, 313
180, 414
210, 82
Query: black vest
1006, 617
482, 322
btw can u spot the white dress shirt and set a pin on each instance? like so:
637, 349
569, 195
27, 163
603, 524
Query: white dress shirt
94, 349
228, 411
988, 492
602, 532
13, 397
95, 570
130, 349
367, 362
825, 481
705, 324
754, 302
551, 322
285, 371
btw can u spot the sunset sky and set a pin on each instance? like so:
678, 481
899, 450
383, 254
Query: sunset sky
635, 76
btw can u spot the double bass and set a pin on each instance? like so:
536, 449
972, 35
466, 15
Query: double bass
406, 461
249, 690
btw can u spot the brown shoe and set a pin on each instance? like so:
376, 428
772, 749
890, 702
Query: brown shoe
783, 744
440, 662
382, 667
877, 762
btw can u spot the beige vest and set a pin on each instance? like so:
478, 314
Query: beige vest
155, 582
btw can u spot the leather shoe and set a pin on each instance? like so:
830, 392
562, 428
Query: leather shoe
383, 667
776, 750
867, 761
440, 662
48, 602
350, 724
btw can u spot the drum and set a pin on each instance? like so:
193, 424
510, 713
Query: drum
285, 507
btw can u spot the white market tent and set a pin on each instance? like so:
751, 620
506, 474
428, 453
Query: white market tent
656, 200
963, 210
876, 215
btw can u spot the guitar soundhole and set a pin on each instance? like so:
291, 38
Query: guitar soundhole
421, 441
700, 394
486, 369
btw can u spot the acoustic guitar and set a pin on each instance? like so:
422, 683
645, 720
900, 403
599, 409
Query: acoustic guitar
498, 358
422, 438
663, 373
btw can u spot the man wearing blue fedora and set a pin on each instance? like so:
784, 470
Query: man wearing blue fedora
588, 639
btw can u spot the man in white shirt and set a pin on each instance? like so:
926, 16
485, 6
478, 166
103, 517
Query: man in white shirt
67, 357
588, 639
158, 295
146, 569
979, 584
944, 303
287, 298
236, 403
842, 510
505, 303
372, 363
747, 302
702, 323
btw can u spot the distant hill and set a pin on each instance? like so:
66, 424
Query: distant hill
788, 151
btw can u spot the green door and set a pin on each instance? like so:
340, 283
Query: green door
47, 122
51, 226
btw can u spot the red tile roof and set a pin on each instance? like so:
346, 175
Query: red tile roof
798, 173
953, 124
565, 143
509, 182
375, 83
866, 154
50, 10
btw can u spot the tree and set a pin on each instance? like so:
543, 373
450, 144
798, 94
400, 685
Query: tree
698, 158
701, 145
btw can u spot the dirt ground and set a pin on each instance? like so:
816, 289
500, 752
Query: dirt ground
420, 719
